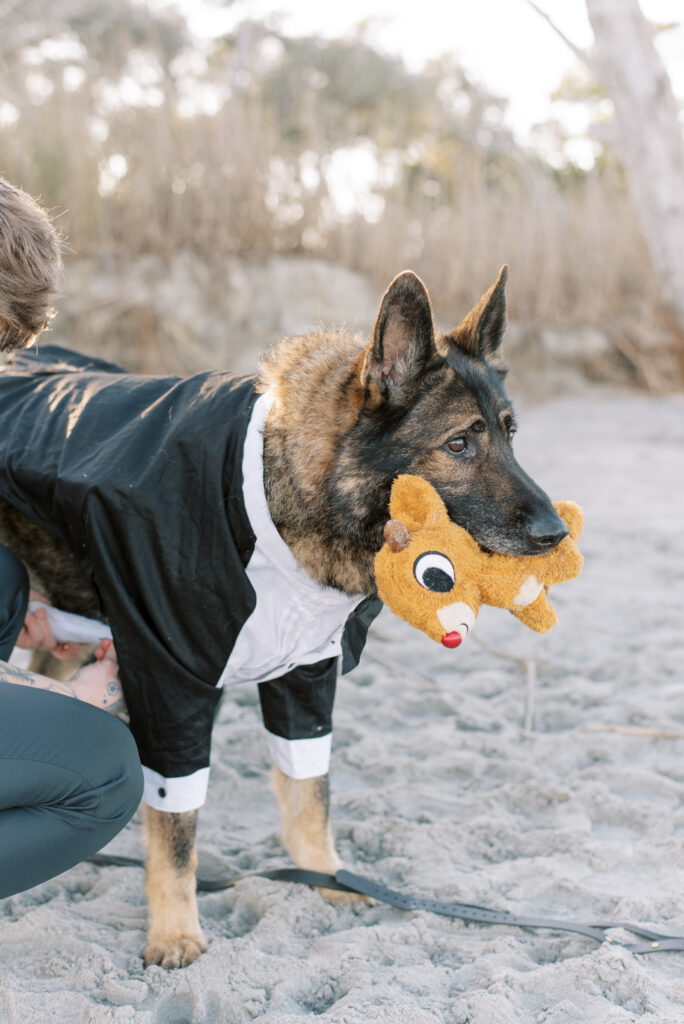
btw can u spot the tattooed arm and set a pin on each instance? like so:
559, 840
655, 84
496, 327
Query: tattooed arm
97, 683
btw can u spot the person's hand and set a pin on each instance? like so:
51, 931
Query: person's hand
97, 683
105, 652
36, 634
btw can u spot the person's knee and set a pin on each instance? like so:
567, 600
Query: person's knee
134, 780
130, 781
114, 786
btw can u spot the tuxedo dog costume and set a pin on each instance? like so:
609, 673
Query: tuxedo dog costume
155, 484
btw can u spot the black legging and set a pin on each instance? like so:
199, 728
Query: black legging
70, 776
14, 593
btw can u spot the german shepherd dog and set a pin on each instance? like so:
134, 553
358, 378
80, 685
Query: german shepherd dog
350, 417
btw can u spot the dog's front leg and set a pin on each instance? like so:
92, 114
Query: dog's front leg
307, 835
174, 936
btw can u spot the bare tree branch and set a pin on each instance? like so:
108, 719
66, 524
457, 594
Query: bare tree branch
581, 54
648, 132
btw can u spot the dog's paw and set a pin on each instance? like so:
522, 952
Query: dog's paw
343, 899
178, 951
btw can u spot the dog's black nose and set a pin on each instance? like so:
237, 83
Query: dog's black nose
546, 531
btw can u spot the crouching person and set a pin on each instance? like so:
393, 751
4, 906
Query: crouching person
70, 776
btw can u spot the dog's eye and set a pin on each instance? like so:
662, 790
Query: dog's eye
456, 445
510, 427
434, 572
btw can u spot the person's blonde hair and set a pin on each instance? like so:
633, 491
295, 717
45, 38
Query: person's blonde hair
30, 261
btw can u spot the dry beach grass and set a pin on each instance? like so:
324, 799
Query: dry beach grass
131, 173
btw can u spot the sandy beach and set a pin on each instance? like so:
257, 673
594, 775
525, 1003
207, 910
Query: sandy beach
438, 789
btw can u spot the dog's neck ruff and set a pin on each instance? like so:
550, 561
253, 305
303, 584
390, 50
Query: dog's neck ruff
296, 621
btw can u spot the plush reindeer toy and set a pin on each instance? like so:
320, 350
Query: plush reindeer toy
431, 573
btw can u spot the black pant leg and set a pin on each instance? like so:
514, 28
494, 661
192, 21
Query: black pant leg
297, 712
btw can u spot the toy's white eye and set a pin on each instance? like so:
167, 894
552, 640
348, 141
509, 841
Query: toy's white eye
434, 572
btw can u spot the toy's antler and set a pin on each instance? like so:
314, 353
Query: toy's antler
396, 535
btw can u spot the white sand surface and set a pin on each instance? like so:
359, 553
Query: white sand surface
439, 790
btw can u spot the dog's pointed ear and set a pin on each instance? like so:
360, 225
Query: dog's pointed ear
480, 334
403, 339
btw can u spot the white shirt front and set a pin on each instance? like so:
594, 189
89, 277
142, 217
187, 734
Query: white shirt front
297, 621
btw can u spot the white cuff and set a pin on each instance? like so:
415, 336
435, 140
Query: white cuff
301, 759
70, 628
186, 793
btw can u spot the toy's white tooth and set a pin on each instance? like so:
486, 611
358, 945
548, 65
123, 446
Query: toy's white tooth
529, 592
458, 617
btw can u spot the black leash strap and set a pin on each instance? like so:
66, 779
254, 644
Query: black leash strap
346, 881
218, 884
482, 915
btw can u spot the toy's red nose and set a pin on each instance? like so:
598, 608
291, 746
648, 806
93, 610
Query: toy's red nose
452, 639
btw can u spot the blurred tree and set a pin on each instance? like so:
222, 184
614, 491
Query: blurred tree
338, 90
157, 147
648, 131
107, 29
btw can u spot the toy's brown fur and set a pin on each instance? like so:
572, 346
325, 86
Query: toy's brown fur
349, 417
420, 526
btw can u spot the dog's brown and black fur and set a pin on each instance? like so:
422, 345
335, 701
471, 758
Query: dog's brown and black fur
348, 418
